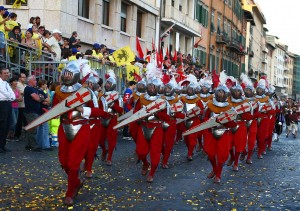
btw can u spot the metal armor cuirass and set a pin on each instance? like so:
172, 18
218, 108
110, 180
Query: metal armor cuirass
108, 100
149, 131
187, 107
217, 131
72, 121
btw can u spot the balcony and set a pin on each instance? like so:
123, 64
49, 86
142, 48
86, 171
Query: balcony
236, 46
249, 13
221, 39
264, 61
183, 23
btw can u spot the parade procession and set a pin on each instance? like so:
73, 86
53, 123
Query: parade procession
225, 117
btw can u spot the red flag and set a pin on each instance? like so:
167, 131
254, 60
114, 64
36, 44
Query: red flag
167, 53
153, 46
215, 79
139, 48
197, 43
200, 38
159, 58
175, 56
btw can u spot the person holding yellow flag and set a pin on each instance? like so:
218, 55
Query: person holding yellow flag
2, 29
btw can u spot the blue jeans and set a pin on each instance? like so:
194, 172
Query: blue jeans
14, 118
2, 40
42, 136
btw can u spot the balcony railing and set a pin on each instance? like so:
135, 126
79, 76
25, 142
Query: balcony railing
221, 39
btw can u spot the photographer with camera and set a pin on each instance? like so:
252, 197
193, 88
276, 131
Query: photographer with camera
32, 99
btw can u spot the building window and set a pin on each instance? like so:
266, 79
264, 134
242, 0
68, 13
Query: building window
11, 2
173, 3
83, 8
212, 24
201, 14
105, 13
123, 16
139, 24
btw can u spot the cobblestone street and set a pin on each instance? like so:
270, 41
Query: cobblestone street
35, 181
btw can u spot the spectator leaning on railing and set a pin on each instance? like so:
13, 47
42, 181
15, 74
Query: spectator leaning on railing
53, 44
2, 30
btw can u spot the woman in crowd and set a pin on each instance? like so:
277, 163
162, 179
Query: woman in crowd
14, 116
29, 43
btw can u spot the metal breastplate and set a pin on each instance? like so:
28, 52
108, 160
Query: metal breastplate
248, 123
105, 122
188, 123
151, 118
234, 129
148, 132
165, 126
70, 129
217, 131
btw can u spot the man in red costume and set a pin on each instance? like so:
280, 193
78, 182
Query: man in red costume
264, 119
250, 118
73, 132
95, 125
175, 108
150, 131
111, 103
239, 133
217, 140
275, 109
190, 101
205, 96
140, 89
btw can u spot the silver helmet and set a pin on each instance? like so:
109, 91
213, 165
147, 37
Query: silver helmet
71, 73
153, 86
141, 86
111, 82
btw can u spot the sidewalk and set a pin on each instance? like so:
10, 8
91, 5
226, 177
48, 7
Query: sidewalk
35, 181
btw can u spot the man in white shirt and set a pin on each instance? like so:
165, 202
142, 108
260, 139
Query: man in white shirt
6, 97
53, 44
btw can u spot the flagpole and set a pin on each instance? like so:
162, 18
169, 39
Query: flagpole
159, 30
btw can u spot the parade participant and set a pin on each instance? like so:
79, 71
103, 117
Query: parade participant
180, 127
205, 96
273, 113
175, 111
150, 131
95, 125
139, 90
263, 120
190, 101
73, 132
109, 102
217, 140
239, 133
251, 119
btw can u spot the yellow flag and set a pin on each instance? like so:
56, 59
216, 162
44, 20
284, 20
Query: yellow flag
131, 71
17, 3
123, 56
